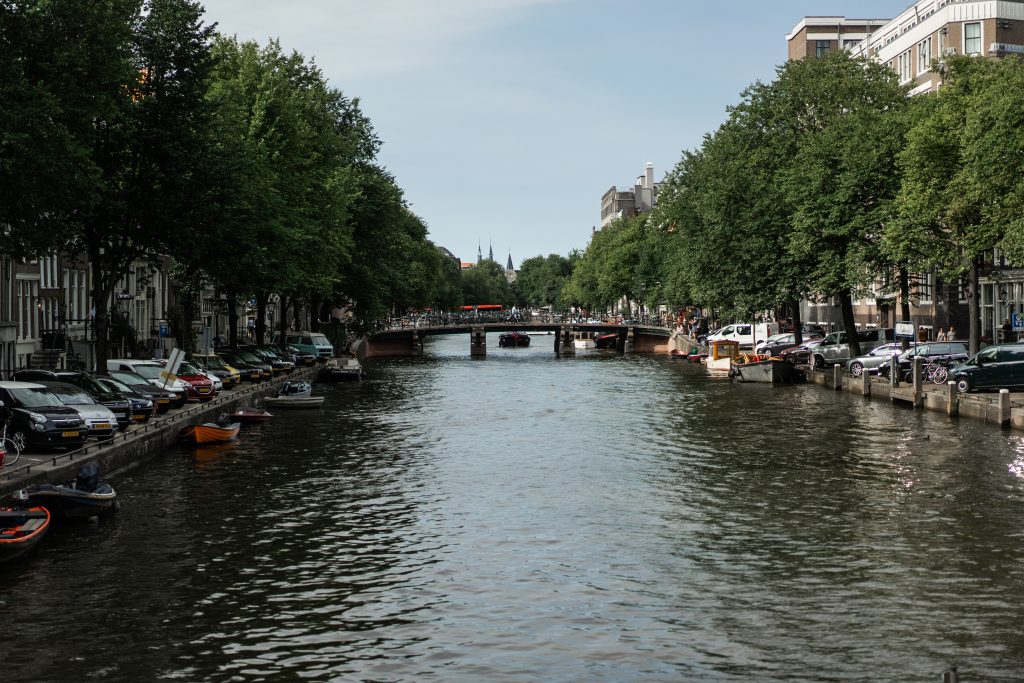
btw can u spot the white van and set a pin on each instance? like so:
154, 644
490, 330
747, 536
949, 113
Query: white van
308, 342
744, 333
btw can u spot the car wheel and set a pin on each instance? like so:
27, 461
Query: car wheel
20, 439
963, 385
856, 369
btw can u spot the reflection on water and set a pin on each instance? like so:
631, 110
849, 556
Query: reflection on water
528, 518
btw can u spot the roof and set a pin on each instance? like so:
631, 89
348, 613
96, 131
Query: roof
21, 385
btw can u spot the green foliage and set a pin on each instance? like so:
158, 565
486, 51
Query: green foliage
541, 279
485, 283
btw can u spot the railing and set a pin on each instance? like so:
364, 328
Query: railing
507, 317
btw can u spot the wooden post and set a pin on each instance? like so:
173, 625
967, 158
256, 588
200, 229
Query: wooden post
952, 400
837, 377
917, 378
417, 344
894, 371
477, 342
865, 384
1004, 407
630, 337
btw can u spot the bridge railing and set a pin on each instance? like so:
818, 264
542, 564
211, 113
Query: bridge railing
480, 318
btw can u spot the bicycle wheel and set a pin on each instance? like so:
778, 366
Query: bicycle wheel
11, 453
941, 375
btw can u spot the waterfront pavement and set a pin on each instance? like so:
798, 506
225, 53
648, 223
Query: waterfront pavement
137, 443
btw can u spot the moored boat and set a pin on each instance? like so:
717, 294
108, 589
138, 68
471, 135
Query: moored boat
765, 370
251, 416
721, 356
513, 339
340, 370
606, 340
294, 395
21, 527
211, 432
584, 340
86, 496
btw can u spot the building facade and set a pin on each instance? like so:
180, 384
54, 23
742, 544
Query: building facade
642, 197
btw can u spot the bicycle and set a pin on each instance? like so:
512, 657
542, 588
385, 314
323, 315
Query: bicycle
7, 446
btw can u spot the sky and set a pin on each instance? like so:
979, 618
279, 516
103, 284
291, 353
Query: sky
505, 121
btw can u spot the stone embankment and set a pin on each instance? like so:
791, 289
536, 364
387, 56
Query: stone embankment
139, 442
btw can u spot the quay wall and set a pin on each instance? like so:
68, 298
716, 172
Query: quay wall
135, 446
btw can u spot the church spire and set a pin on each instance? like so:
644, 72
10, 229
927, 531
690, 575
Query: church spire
490, 251
479, 253
508, 266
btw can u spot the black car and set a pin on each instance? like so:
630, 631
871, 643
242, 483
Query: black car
143, 405
163, 398
239, 358
116, 402
38, 418
276, 363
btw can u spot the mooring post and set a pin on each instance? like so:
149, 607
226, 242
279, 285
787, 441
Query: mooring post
917, 374
865, 384
417, 344
837, 377
1004, 407
477, 342
952, 400
951, 675
568, 347
894, 371
630, 340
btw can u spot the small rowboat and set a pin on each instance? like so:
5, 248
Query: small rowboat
21, 528
248, 416
211, 433
88, 495
297, 395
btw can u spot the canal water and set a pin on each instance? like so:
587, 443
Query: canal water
527, 518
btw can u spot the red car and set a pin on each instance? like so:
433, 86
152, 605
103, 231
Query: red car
200, 387
799, 354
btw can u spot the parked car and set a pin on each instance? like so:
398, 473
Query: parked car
38, 418
213, 364
151, 369
248, 371
800, 354
198, 387
869, 362
309, 342
952, 352
835, 347
116, 402
234, 356
143, 406
165, 399
996, 367
779, 342
277, 364
99, 419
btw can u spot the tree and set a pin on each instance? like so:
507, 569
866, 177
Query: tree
485, 284
542, 278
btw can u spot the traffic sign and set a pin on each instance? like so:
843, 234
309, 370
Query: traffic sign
906, 330
1018, 322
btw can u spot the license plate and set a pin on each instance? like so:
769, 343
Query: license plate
204, 390
139, 418
163, 400
101, 425
70, 435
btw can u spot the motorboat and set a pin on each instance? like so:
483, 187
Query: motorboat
212, 432
765, 370
513, 339
583, 340
248, 416
606, 341
294, 395
22, 526
84, 497
345, 369
721, 356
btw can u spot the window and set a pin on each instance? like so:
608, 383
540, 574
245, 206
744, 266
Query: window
850, 44
972, 39
903, 66
924, 55
822, 47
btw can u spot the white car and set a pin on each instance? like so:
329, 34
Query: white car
99, 419
150, 369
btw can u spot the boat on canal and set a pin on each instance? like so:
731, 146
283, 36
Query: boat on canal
720, 357
584, 340
513, 340
340, 370
765, 370
211, 432
249, 416
88, 495
22, 526
606, 340
294, 395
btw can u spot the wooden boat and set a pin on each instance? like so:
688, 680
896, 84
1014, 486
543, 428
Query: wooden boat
21, 527
211, 432
583, 340
251, 416
513, 339
607, 340
765, 370
294, 395
340, 370
86, 496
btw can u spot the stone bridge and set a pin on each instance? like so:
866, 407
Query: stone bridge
408, 341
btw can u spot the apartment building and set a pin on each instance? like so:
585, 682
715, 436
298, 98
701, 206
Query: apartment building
642, 197
913, 45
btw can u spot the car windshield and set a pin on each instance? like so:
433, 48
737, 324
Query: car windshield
129, 378
248, 357
92, 385
114, 385
212, 362
35, 398
320, 340
73, 397
149, 371
188, 369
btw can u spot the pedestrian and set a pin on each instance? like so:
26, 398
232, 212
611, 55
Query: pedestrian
951, 335
941, 336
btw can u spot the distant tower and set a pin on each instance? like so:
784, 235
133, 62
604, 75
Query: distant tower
490, 252
508, 266
510, 271
479, 254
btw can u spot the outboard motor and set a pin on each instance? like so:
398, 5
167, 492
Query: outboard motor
88, 478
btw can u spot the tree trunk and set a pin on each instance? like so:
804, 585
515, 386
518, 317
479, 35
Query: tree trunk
296, 314
904, 302
262, 300
974, 308
283, 318
315, 304
798, 333
846, 303
232, 317
186, 339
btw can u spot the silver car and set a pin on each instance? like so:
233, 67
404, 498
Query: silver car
870, 361
99, 419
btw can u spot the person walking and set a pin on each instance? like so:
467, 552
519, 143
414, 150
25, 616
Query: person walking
951, 335
941, 336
